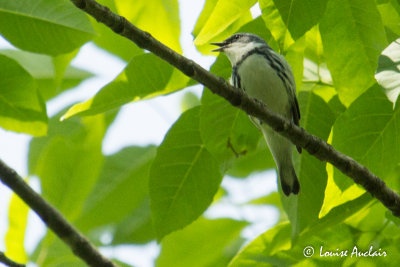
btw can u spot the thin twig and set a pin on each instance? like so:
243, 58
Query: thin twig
53, 219
314, 145
8, 262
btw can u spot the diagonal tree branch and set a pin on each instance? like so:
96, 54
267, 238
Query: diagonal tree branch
53, 219
8, 262
314, 145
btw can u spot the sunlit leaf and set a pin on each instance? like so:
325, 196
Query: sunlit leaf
189, 100
114, 43
15, 236
144, 77
44, 26
158, 17
390, 13
21, 107
275, 24
219, 20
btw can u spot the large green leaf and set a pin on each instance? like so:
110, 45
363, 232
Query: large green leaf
368, 132
226, 131
21, 107
300, 15
114, 43
120, 191
275, 24
184, 176
303, 210
43, 69
203, 243
353, 37
145, 76
390, 13
68, 161
158, 17
44, 26
220, 19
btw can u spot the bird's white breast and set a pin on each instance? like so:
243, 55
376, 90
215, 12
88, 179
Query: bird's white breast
261, 81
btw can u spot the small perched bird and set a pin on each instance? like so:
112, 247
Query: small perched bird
265, 75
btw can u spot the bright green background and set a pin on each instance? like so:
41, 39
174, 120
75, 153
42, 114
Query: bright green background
345, 59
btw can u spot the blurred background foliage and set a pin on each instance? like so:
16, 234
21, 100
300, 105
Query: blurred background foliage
345, 55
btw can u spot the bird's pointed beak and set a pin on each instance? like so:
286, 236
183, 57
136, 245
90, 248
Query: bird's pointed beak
221, 47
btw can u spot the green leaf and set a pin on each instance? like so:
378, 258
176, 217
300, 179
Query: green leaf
388, 72
44, 26
391, 19
219, 20
114, 43
314, 50
184, 176
122, 187
52, 251
353, 37
334, 196
189, 100
261, 250
21, 107
145, 76
369, 219
158, 17
68, 161
193, 247
337, 216
368, 132
295, 58
303, 210
253, 161
273, 21
17, 222
137, 228
43, 69
299, 15
226, 131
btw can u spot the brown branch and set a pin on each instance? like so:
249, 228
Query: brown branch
80, 246
314, 145
8, 262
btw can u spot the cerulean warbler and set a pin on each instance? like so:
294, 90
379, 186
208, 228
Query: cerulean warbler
265, 75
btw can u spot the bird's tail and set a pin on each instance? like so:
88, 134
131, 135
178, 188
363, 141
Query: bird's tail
289, 181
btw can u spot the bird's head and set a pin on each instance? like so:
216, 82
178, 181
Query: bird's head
238, 45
